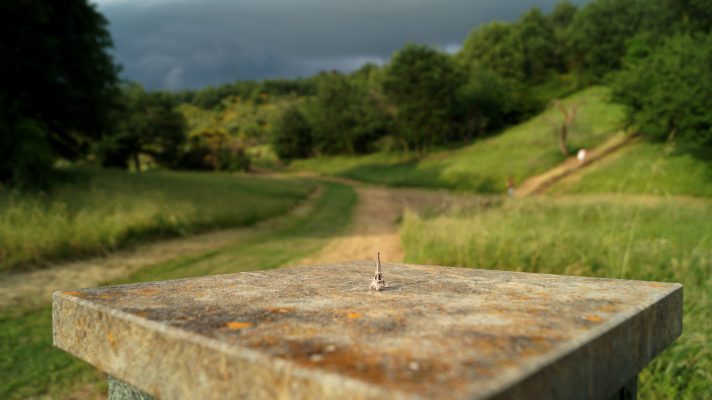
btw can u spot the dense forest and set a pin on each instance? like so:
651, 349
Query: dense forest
62, 101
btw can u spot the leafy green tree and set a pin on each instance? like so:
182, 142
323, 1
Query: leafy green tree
423, 84
345, 114
495, 46
678, 16
527, 50
668, 90
292, 135
146, 123
56, 72
538, 45
601, 29
561, 18
333, 115
487, 102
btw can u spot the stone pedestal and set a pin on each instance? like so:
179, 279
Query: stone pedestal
318, 332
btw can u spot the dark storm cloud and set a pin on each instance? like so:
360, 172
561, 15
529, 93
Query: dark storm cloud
173, 44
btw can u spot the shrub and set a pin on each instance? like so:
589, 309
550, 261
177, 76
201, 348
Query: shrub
292, 135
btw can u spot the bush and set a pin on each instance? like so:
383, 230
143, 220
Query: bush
214, 150
292, 135
25, 156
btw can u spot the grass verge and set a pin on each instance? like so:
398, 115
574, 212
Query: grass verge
521, 151
617, 236
91, 211
31, 367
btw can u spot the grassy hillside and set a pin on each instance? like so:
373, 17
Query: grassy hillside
520, 151
31, 367
649, 168
91, 211
615, 236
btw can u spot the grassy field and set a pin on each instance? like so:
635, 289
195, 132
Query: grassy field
651, 168
91, 211
30, 366
520, 151
615, 236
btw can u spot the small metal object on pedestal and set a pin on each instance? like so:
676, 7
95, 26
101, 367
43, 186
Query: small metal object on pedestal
378, 283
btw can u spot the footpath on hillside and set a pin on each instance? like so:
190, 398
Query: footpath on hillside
539, 183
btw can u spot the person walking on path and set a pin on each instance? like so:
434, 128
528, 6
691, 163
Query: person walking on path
510, 186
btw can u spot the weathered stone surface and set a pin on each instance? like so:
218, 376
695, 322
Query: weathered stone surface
318, 332
120, 390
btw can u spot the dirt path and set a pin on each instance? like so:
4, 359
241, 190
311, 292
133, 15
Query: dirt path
374, 227
375, 224
34, 288
539, 183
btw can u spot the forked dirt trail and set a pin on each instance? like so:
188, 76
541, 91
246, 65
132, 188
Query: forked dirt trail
375, 225
374, 228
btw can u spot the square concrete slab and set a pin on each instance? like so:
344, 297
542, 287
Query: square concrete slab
318, 332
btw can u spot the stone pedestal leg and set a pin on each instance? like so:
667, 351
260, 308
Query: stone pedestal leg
120, 390
627, 392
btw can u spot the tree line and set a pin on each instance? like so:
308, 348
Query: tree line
654, 54
60, 96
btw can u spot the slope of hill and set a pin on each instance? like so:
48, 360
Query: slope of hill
647, 168
520, 151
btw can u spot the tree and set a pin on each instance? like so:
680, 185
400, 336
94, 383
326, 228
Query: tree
292, 135
495, 46
345, 113
57, 72
569, 119
146, 123
423, 84
333, 115
487, 102
561, 18
668, 91
600, 31
538, 46
525, 51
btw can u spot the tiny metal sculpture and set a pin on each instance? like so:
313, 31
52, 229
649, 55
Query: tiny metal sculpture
378, 283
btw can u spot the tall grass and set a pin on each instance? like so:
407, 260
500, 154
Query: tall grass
31, 367
616, 236
90, 211
520, 151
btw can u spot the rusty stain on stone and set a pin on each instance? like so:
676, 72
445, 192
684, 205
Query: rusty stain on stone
592, 318
438, 332
353, 315
238, 325
112, 340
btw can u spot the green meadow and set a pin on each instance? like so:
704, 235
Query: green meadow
91, 211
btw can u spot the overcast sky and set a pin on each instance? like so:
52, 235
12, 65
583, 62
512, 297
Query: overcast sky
178, 44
